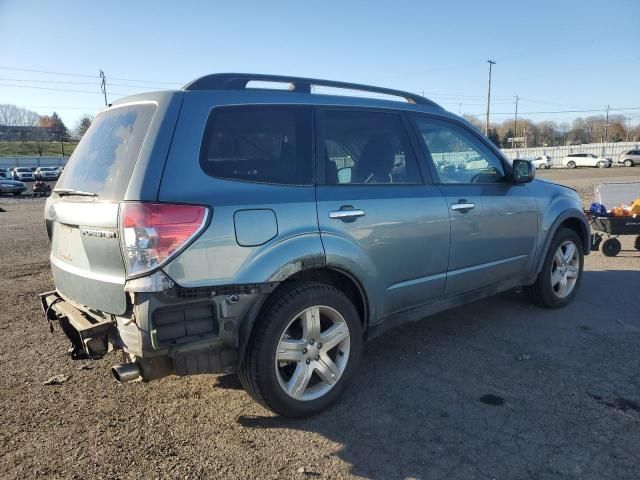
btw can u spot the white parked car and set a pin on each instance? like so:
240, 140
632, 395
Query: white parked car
543, 161
47, 173
574, 160
23, 174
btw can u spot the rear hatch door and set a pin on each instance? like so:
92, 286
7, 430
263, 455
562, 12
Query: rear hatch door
82, 214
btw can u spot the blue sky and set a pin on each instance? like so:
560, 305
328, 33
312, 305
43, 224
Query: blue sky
556, 55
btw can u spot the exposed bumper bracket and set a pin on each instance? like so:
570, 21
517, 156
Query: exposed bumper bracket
89, 334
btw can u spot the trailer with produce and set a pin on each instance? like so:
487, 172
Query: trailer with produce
615, 212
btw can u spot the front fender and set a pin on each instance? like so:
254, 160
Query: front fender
560, 210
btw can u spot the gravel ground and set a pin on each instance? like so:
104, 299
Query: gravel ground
498, 389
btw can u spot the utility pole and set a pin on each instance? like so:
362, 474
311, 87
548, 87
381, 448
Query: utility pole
103, 87
606, 127
486, 127
515, 123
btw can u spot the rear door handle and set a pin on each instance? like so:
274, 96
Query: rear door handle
346, 214
463, 206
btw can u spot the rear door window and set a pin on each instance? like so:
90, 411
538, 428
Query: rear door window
367, 148
265, 144
104, 159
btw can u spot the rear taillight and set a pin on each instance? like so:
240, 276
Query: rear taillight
152, 233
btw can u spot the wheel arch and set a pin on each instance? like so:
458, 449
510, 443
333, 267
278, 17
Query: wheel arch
573, 220
344, 281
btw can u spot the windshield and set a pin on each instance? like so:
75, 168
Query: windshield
104, 159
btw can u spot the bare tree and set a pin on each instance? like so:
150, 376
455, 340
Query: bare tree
14, 116
473, 120
83, 125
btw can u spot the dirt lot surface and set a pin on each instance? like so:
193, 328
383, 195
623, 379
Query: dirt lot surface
498, 389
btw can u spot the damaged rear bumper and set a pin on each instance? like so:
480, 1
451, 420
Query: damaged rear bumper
89, 334
162, 333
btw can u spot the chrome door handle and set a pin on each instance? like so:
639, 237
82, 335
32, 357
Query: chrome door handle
346, 214
463, 206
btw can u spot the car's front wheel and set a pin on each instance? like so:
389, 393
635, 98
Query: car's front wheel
628, 163
303, 350
571, 164
561, 273
601, 165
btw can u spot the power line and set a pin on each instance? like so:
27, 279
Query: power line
619, 109
62, 89
66, 82
82, 75
567, 105
61, 107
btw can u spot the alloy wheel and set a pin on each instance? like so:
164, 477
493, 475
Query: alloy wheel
313, 353
565, 269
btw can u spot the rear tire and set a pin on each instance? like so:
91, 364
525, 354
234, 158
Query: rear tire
283, 348
571, 165
611, 247
565, 259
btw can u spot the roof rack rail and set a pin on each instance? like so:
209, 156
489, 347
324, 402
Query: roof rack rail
239, 81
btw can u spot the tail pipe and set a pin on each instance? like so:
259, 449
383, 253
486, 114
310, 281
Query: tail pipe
126, 372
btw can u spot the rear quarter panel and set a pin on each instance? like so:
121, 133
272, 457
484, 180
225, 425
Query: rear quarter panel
216, 257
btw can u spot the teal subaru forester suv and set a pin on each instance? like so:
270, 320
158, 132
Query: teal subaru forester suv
237, 226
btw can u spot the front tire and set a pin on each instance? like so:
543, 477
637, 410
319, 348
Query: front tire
601, 165
571, 164
628, 163
303, 350
558, 281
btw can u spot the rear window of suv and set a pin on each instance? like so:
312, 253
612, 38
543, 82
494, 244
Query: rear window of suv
104, 159
264, 144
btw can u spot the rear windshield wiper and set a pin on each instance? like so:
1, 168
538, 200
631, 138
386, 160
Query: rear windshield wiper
64, 192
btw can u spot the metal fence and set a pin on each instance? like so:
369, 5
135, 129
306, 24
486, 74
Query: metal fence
10, 162
608, 150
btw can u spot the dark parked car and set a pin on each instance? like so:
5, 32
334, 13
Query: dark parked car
11, 186
270, 232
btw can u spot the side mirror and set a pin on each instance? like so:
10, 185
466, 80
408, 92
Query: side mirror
523, 171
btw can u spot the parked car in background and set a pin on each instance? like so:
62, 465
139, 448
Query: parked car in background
543, 161
11, 186
574, 160
225, 239
5, 173
46, 173
23, 174
630, 158
59, 170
